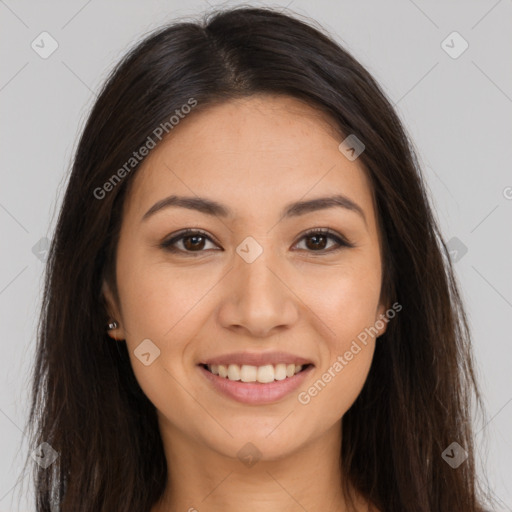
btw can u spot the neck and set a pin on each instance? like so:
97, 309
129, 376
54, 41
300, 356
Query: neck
203, 480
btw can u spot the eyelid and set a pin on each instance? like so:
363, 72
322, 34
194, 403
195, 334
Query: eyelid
168, 243
340, 240
330, 232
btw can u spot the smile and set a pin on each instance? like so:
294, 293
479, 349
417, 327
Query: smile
256, 385
249, 373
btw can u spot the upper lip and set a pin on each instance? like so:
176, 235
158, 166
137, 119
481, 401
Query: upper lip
257, 359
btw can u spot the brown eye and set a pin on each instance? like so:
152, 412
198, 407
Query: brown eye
191, 241
317, 241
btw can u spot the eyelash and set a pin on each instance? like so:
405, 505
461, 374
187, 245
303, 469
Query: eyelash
168, 245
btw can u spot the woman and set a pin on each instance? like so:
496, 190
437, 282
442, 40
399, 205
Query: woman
248, 301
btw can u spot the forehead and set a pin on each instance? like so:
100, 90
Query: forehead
255, 154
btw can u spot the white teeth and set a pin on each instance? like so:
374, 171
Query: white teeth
249, 373
280, 372
233, 372
265, 373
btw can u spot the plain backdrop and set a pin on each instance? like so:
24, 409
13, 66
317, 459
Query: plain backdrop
455, 104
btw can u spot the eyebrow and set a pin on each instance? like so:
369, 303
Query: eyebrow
210, 207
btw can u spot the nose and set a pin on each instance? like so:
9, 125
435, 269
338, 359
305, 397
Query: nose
258, 298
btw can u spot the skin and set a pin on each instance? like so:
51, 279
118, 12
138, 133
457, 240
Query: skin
255, 155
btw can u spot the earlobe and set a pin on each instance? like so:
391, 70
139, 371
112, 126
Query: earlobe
381, 320
113, 327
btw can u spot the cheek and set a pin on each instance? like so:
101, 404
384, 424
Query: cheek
347, 308
157, 297
337, 385
160, 306
167, 306
346, 300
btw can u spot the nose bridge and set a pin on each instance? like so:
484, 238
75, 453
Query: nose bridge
253, 270
259, 300
256, 277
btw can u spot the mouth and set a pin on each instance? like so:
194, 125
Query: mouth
256, 374
255, 385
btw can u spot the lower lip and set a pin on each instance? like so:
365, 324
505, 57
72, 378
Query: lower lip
256, 392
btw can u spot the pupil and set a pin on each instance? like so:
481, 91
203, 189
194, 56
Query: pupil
194, 244
316, 237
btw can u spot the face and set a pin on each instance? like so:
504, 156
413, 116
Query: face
257, 288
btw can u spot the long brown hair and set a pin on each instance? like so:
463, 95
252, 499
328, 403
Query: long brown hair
86, 403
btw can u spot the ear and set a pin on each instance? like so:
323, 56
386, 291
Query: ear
113, 311
381, 320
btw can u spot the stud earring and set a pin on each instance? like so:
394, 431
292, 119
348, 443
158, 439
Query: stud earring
112, 325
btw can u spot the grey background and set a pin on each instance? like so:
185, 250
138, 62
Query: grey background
457, 111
